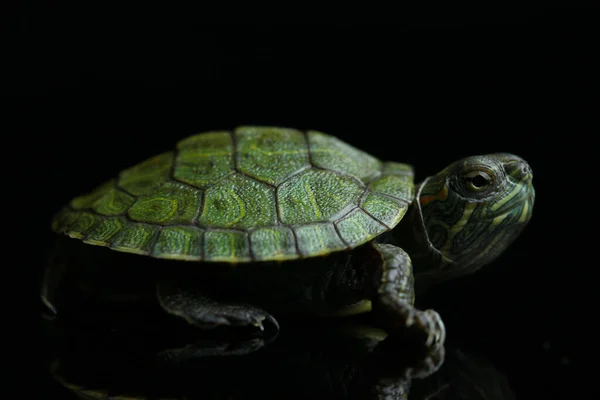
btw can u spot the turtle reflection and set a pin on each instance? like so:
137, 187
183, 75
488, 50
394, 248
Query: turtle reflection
333, 362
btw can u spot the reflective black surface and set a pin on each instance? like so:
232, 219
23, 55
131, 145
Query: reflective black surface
524, 325
305, 363
349, 360
143, 357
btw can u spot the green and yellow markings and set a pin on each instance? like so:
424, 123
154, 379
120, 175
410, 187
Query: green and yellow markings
497, 220
204, 159
386, 209
273, 243
331, 153
74, 223
114, 202
358, 228
522, 211
105, 230
316, 196
136, 238
509, 196
239, 202
398, 183
270, 154
226, 246
318, 239
172, 203
457, 227
105, 200
145, 177
179, 243
312, 201
525, 214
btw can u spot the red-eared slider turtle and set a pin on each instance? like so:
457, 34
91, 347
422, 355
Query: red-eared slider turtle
262, 220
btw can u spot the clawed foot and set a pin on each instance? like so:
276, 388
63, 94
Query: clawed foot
231, 315
429, 322
207, 313
401, 316
398, 360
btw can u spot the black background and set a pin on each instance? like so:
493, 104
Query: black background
426, 93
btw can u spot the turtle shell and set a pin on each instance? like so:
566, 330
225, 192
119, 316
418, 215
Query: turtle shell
254, 194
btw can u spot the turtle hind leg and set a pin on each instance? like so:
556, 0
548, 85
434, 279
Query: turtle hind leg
200, 310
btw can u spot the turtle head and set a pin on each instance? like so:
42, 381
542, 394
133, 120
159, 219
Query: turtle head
473, 209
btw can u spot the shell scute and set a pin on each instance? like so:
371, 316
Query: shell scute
226, 246
358, 227
317, 196
318, 239
204, 159
395, 181
270, 154
239, 202
386, 209
273, 243
179, 243
102, 233
146, 176
172, 203
136, 238
331, 153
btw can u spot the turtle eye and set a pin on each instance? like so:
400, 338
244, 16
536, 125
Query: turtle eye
477, 181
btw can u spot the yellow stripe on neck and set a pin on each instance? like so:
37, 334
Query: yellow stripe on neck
457, 227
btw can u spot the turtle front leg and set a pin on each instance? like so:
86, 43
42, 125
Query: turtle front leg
199, 310
392, 296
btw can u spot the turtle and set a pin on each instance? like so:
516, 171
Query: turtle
235, 227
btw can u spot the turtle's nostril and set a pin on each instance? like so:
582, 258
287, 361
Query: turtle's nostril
518, 168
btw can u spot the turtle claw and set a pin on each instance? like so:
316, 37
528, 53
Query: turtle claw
267, 317
431, 323
238, 315
406, 316
273, 321
206, 313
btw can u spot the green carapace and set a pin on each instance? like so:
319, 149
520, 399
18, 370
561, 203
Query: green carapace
238, 226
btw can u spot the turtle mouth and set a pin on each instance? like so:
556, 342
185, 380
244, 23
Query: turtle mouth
518, 213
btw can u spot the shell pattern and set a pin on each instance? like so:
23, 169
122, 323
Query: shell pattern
252, 194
